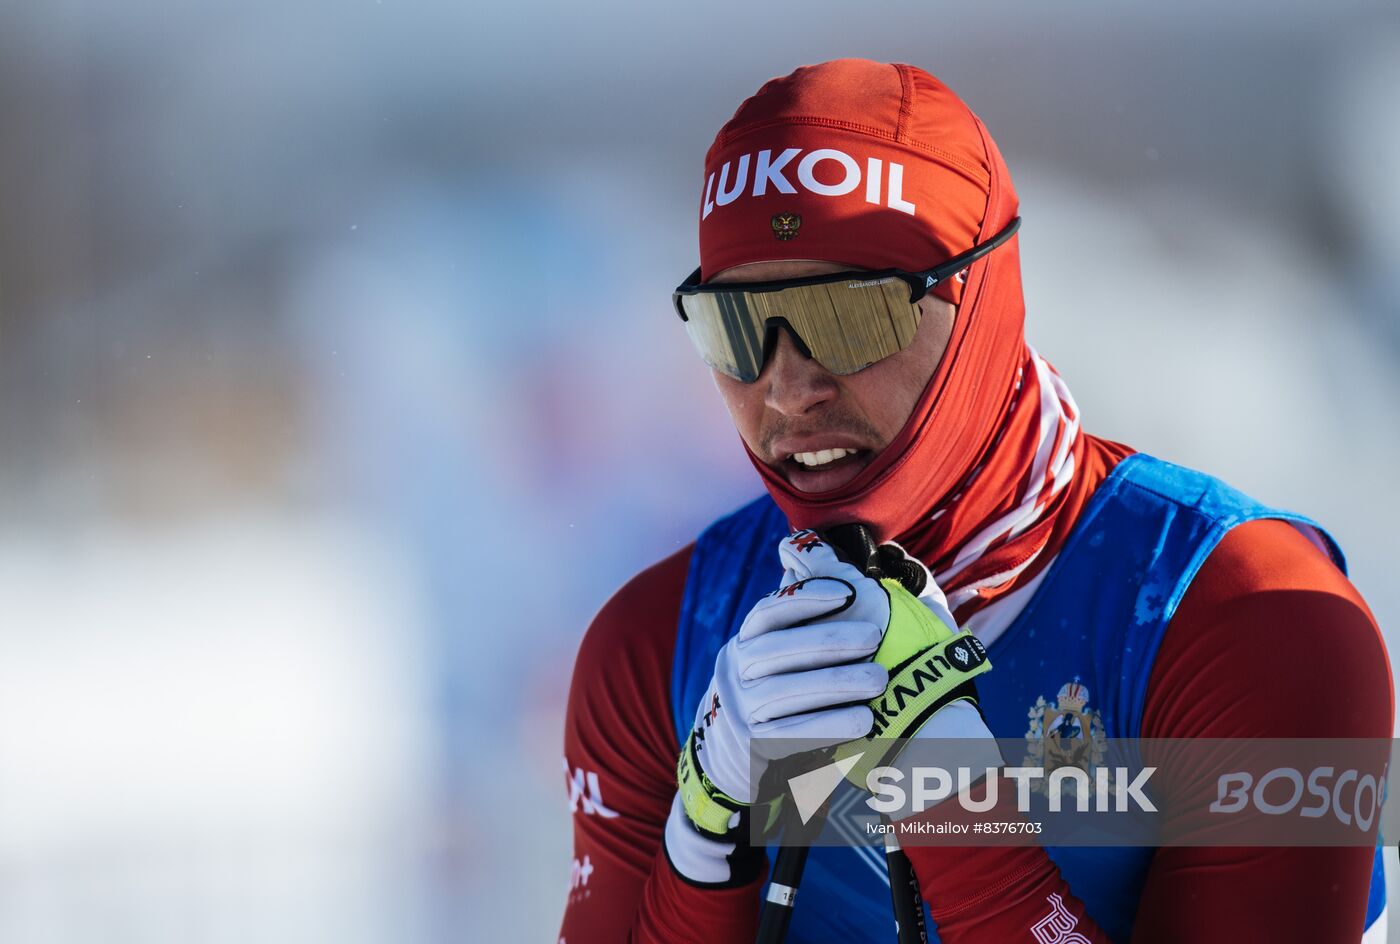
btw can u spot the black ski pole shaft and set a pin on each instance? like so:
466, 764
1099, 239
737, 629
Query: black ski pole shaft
904, 889
782, 894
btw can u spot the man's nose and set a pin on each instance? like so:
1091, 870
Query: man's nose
795, 382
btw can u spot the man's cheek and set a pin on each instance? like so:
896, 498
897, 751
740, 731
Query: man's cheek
745, 407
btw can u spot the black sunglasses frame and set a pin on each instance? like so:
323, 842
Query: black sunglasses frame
919, 282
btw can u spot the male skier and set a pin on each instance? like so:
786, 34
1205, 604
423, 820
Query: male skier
1156, 599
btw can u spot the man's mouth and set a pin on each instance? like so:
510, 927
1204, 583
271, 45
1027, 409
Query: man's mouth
821, 470
825, 457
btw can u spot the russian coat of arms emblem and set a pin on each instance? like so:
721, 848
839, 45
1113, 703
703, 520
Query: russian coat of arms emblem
786, 225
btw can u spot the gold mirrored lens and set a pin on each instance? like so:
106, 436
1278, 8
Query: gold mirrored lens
724, 331
847, 325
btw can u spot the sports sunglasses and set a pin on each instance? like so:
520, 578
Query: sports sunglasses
845, 320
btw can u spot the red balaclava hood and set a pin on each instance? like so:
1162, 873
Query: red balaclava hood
885, 167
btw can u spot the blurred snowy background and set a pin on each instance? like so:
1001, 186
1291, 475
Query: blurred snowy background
339, 386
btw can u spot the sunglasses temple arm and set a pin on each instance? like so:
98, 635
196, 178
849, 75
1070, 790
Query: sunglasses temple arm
956, 264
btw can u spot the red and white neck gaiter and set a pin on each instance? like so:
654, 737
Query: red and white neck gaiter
1031, 466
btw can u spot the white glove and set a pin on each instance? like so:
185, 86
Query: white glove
782, 677
796, 669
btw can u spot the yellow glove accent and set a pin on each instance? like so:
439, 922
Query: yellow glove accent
912, 629
706, 806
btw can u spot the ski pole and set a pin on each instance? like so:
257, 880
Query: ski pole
904, 889
782, 894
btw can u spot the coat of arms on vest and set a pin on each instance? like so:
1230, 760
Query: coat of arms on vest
1066, 734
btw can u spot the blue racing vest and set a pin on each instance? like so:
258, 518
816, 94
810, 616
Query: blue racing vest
1096, 620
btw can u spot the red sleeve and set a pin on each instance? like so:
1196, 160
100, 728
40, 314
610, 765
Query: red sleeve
1264, 587
995, 894
1221, 672
620, 754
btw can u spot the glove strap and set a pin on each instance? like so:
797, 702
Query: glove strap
922, 684
706, 806
919, 686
